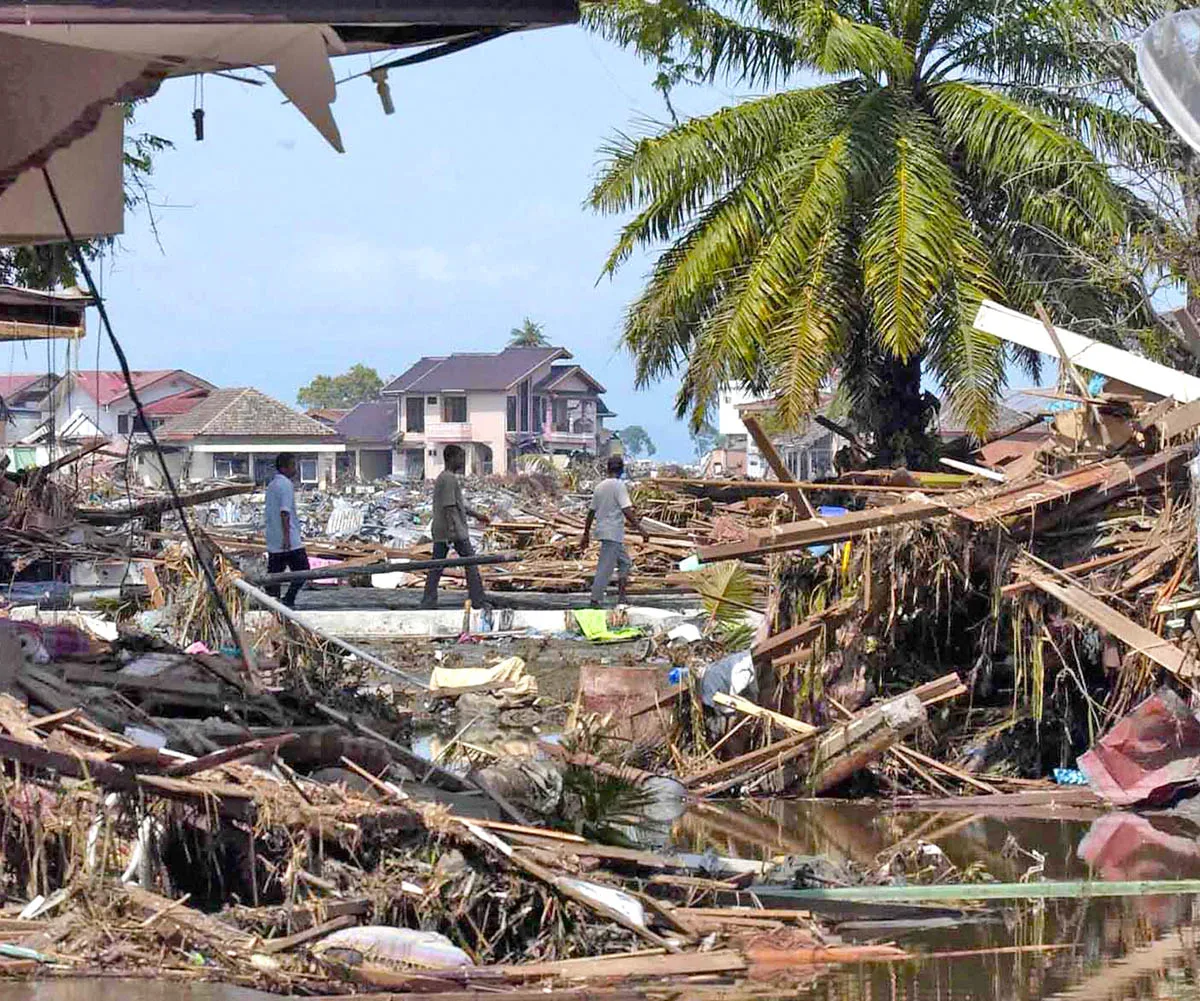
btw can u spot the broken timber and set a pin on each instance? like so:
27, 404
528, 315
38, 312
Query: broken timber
1141, 639
778, 466
118, 516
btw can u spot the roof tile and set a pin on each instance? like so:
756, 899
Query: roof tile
244, 413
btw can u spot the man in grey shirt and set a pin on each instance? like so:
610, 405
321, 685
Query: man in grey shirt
609, 510
450, 528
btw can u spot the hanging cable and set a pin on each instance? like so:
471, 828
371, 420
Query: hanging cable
81, 263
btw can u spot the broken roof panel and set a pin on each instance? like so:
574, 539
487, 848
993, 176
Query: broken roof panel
65, 69
1017, 328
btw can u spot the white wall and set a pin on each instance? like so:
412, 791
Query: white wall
728, 420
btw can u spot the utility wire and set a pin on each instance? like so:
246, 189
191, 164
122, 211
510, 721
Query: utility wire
81, 263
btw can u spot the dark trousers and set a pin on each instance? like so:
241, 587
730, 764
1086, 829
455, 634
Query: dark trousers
474, 582
293, 559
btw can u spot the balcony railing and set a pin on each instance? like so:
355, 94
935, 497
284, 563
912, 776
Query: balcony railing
448, 431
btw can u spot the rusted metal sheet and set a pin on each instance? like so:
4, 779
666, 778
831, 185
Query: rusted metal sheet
1149, 755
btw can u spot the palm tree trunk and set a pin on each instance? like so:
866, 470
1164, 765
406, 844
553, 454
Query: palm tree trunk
900, 416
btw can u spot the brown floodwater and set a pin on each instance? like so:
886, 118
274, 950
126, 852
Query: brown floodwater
1113, 948
1134, 947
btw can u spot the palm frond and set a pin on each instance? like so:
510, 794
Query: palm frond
907, 246
726, 590
1016, 147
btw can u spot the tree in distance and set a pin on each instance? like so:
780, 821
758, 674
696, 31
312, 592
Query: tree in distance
341, 392
528, 335
637, 442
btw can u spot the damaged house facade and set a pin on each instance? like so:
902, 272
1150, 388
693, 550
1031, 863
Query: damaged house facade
496, 406
236, 434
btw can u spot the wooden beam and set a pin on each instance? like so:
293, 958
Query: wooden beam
752, 709
1142, 640
778, 466
794, 535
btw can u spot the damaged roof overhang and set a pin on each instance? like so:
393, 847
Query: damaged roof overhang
65, 68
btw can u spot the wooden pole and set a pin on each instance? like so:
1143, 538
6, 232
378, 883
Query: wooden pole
369, 569
280, 609
778, 467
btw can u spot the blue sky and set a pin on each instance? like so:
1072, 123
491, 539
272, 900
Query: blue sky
439, 229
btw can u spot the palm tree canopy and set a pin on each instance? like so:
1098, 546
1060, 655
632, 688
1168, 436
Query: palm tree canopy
528, 335
937, 164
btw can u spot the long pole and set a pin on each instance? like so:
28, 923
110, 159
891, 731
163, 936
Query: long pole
1058, 889
280, 609
369, 569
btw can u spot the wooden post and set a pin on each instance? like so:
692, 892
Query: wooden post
795, 494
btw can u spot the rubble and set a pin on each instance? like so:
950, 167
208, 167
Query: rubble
312, 806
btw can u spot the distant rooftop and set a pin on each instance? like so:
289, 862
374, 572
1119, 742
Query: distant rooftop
243, 413
479, 371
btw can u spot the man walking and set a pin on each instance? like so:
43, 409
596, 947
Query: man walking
285, 550
609, 510
450, 528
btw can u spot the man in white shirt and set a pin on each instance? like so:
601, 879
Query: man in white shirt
285, 550
609, 510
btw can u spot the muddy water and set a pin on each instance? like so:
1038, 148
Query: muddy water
1155, 937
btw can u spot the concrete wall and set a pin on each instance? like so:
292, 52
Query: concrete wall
488, 414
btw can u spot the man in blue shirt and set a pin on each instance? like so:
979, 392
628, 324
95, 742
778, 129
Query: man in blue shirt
285, 549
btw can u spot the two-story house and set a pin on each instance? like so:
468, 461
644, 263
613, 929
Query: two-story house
496, 406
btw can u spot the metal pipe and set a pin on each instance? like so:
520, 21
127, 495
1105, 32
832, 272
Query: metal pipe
369, 569
280, 609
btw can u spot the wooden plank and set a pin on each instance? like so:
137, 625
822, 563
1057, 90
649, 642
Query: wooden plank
1163, 652
158, 598
274, 945
88, 675
1148, 418
229, 754
786, 641
1099, 563
814, 531
752, 709
1180, 420
684, 964
778, 466
1019, 499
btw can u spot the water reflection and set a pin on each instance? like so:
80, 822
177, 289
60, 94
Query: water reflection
1134, 947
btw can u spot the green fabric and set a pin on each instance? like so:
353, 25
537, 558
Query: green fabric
594, 623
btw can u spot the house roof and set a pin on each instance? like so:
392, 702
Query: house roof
14, 385
177, 403
243, 413
326, 415
466, 371
559, 373
372, 421
108, 387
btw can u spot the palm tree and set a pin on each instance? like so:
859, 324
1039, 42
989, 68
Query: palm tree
528, 335
856, 224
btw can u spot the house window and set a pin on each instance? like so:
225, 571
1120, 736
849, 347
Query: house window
561, 415
123, 424
537, 414
227, 465
511, 423
308, 470
414, 414
431, 400
525, 405
454, 409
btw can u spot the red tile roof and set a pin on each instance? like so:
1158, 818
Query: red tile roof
11, 385
107, 387
179, 403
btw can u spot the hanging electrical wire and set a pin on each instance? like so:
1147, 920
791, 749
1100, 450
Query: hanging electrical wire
81, 263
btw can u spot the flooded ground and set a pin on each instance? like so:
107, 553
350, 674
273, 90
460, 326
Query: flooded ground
1073, 950
1081, 938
